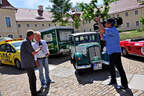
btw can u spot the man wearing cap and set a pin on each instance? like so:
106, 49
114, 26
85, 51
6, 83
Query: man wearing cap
111, 35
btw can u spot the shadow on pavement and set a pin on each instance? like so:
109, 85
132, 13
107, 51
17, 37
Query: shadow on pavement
45, 91
122, 92
136, 58
89, 76
58, 59
10, 70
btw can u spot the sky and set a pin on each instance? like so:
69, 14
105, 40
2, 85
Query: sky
34, 3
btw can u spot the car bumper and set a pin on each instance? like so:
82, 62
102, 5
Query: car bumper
83, 66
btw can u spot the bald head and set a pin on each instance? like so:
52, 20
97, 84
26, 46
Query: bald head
37, 36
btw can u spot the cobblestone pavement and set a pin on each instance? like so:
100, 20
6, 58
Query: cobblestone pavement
67, 83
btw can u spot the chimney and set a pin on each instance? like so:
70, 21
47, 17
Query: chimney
40, 10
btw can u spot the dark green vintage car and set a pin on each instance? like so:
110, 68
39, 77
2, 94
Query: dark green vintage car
86, 51
57, 38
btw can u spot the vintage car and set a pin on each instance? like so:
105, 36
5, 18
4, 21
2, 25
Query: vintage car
86, 51
133, 47
57, 39
10, 52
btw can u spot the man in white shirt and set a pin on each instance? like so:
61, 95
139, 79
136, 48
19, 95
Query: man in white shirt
42, 60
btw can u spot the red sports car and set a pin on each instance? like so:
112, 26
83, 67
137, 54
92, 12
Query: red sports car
133, 47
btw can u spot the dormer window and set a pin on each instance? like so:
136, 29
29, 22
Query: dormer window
0, 2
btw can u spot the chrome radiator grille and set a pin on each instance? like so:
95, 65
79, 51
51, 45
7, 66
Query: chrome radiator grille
94, 51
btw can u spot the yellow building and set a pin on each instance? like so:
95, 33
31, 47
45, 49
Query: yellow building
14, 22
130, 11
8, 26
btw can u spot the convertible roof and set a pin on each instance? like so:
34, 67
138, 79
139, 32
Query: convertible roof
84, 33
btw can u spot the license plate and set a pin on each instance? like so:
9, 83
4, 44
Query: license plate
97, 66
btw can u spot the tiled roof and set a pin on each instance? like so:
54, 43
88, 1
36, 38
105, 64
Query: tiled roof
24, 14
6, 4
124, 5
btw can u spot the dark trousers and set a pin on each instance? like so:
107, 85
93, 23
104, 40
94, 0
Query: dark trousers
115, 61
32, 80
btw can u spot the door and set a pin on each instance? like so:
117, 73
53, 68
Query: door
6, 54
10, 52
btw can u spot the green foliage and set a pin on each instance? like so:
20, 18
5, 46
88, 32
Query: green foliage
59, 10
131, 34
76, 21
142, 22
92, 10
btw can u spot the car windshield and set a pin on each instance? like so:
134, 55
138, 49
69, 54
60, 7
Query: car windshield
86, 38
17, 45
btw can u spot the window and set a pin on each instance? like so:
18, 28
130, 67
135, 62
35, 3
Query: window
137, 23
19, 25
10, 35
35, 25
127, 24
20, 36
43, 25
126, 13
28, 25
0, 2
2, 47
10, 49
136, 12
8, 21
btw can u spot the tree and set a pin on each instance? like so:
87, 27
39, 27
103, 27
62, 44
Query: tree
142, 22
92, 10
60, 8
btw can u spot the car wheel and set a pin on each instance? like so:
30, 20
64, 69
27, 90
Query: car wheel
79, 72
18, 64
124, 52
1, 63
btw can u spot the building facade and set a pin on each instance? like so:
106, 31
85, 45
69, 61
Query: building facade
14, 22
130, 10
8, 26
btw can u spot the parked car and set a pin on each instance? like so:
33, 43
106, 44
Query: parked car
5, 38
86, 51
57, 38
133, 47
10, 52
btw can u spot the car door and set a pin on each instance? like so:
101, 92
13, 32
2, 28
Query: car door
3, 54
130, 47
10, 53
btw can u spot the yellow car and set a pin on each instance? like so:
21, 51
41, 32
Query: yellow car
10, 52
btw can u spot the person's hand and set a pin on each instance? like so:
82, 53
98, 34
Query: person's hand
40, 47
48, 54
37, 63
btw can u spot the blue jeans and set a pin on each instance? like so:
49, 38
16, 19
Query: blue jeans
44, 65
